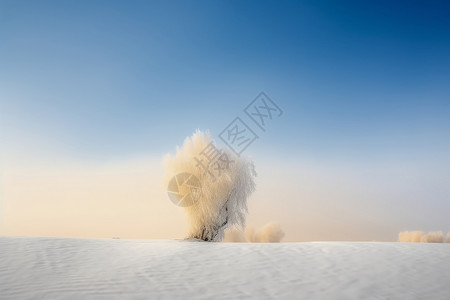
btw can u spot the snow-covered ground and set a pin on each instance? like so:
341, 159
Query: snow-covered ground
60, 268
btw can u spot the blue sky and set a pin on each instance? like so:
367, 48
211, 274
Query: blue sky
359, 82
108, 78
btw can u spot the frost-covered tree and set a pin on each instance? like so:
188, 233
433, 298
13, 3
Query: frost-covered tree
224, 192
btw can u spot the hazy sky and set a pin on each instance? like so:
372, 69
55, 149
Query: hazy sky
94, 93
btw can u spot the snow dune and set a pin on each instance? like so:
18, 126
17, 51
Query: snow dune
61, 268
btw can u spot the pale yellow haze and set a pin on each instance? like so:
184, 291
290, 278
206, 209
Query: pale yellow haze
121, 199
127, 199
